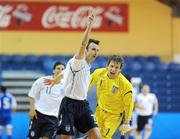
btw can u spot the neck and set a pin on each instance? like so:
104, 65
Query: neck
110, 77
88, 61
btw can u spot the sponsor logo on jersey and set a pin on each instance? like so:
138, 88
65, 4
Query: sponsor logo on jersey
32, 133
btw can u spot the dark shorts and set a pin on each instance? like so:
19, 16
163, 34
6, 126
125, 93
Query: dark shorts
43, 126
142, 121
75, 113
4, 121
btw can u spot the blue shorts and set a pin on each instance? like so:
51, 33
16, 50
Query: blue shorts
4, 121
75, 113
44, 125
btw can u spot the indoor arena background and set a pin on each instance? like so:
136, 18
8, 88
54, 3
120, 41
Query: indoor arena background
145, 32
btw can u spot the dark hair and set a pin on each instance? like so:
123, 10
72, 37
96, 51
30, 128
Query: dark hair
58, 63
3, 89
143, 84
92, 40
116, 58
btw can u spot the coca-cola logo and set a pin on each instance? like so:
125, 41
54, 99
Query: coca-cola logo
63, 17
19, 12
5, 17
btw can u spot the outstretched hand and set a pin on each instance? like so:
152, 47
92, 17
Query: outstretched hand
53, 81
91, 17
49, 82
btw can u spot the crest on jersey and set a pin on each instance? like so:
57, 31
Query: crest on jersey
114, 89
67, 128
32, 133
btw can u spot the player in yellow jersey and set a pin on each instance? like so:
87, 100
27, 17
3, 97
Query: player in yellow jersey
114, 97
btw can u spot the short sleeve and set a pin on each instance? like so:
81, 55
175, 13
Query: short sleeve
77, 64
36, 88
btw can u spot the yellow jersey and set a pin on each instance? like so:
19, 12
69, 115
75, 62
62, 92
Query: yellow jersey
113, 95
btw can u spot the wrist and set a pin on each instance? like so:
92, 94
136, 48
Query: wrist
32, 109
126, 122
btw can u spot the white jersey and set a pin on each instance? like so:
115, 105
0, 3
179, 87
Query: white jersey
47, 98
76, 79
147, 102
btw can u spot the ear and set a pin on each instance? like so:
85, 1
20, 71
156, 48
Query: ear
121, 66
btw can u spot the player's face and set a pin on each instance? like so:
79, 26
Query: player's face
113, 69
58, 69
92, 52
145, 89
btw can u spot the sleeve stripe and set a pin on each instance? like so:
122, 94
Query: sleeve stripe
128, 92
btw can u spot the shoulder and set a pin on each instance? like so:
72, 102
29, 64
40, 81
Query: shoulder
124, 80
74, 59
152, 95
99, 72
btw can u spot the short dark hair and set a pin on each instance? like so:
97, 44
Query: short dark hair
92, 40
2, 89
116, 58
58, 63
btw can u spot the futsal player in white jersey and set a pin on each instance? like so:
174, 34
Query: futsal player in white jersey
75, 109
146, 107
44, 105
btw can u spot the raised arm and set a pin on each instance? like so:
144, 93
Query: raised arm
81, 52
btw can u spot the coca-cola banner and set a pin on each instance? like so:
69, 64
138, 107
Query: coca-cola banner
50, 16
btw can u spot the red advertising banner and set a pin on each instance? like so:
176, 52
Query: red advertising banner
50, 16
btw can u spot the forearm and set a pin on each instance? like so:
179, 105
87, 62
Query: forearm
128, 105
85, 38
128, 109
32, 102
84, 42
32, 111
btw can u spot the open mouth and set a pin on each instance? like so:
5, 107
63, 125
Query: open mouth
112, 73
